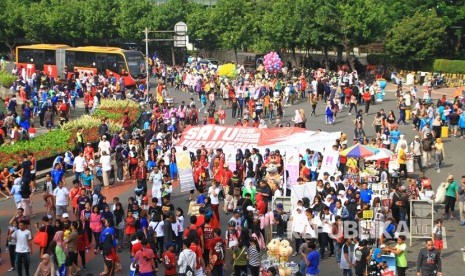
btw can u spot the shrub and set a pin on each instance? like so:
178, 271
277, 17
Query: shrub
7, 79
449, 66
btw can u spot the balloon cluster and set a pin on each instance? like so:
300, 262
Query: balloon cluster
227, 70
272, 62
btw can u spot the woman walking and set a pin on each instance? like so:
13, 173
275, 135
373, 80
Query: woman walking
96, 227
439, 153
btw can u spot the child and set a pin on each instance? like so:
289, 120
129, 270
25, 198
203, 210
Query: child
16, 191
329, 114
130, 226
437, 235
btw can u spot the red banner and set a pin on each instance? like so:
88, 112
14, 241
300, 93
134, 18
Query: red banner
51, 70
215, 136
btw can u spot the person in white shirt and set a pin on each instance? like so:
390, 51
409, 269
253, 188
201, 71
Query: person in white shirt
60, 195
105, 161
156, 177
23, 249
79, 165
187, 259
327, 221
104, 145
213, 193
299, 225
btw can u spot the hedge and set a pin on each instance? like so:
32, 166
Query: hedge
387, 60
449, 66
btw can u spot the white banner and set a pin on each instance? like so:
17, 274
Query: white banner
329, 163
299, 191
291, 164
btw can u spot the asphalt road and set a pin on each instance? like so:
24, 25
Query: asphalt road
454, 148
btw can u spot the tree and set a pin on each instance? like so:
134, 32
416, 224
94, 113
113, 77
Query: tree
64, 19
283, 25
132, 19
319, 25
416, 38
36, 28
11, 23
228, 23
201, 30
99, 19
360, 22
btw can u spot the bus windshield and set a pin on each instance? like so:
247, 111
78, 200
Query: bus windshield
136, 63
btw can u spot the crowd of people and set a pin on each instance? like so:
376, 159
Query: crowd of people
155, 232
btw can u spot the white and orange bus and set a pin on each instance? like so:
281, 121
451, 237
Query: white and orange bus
53, 59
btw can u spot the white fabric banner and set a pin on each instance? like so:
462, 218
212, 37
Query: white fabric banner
329, 163
299, 191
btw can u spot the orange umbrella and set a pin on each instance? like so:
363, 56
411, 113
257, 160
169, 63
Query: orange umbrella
458, 92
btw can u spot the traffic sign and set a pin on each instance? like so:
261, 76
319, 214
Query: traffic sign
180, 29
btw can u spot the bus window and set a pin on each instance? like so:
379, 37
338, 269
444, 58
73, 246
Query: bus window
111, 63
136, 63
70, 60
49, 57
25, 55
84, 59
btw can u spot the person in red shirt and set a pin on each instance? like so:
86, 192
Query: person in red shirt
169, 259
304, 171
193, 226
145, 258
89, 151
141, 176
217, 254
347, 95
130, 228
367, 99
207, 237
74, 193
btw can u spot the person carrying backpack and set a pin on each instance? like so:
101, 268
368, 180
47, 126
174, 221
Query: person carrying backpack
187, 260
217, 253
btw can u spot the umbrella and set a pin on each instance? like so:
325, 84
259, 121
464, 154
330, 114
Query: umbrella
458, 92
359, 151
381, 154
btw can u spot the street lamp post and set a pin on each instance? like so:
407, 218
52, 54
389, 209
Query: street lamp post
147, 59
180, 30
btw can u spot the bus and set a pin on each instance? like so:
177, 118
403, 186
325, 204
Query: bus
56, 59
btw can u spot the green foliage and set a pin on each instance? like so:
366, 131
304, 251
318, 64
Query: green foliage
416, 38
7, 79
449, 66
228, 22
11, 22
44, 146
99, 19
259, 25
132, 18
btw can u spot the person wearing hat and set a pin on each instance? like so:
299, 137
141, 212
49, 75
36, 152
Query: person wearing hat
452, 194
